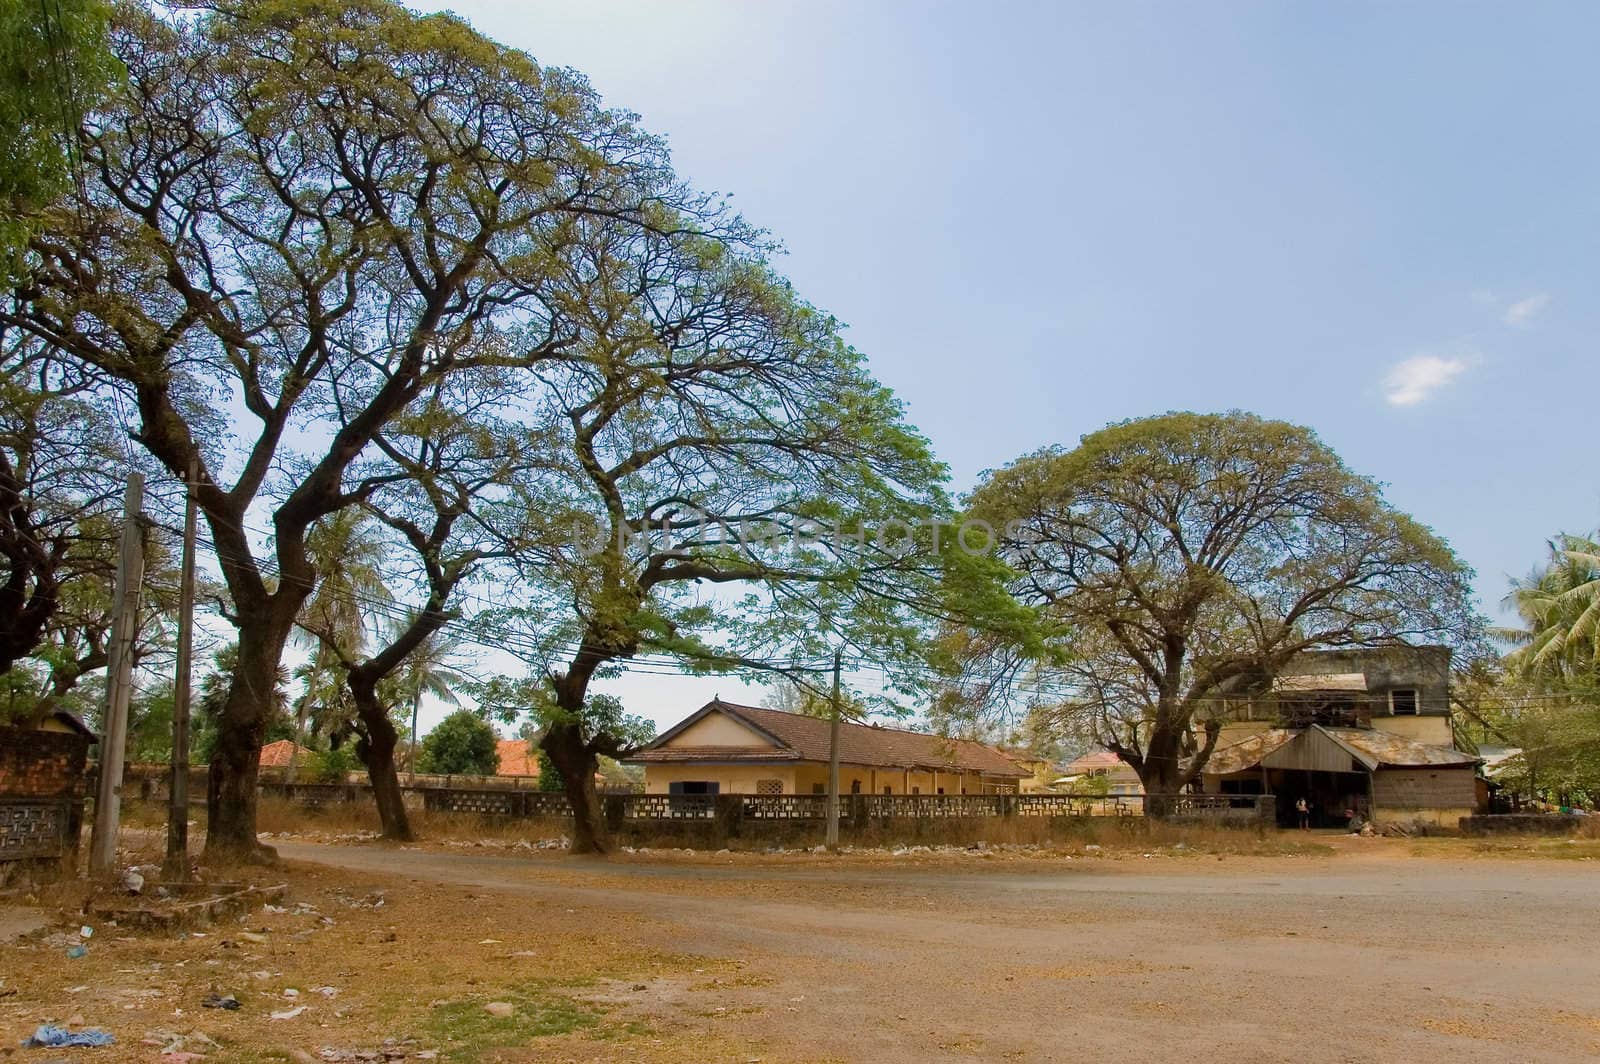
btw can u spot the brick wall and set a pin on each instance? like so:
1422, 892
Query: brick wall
1424, 788
42, 764
41, 799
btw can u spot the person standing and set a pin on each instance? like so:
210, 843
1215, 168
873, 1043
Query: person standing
1302, 809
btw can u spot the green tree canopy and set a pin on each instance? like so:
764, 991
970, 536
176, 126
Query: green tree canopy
1176, 558
321, 211
463, 744
54, 67
1558, 644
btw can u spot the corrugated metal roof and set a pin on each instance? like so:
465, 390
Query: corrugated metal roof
1315, 748
1247, 752
1386, 748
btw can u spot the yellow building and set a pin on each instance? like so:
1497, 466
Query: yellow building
1121, 780
724, 748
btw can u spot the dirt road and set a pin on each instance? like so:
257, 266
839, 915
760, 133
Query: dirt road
1356, 957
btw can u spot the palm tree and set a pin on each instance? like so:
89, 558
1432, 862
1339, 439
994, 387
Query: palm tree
349, 561
1560, 610
427, 670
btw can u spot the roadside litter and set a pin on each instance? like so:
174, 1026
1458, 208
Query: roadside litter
53, 1037
214, 1000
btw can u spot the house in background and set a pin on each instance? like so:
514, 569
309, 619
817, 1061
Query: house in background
1082, 774
278, 755
517, 758
1355, 732
1041, 771
725, 748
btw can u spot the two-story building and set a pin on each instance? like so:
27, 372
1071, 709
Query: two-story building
1361, 733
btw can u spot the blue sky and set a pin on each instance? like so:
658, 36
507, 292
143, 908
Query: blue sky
1379, 220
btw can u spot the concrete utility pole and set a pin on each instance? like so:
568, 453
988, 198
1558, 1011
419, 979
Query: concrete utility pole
176, 866
119, 682
833, 756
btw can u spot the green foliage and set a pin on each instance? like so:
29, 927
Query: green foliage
1175, 558
463, 744
333, 764
150, 726
54, 66
1558, 645
213, 694
550, 778
1546, 701
509, 699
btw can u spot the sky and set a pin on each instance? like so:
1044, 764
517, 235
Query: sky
1378, 220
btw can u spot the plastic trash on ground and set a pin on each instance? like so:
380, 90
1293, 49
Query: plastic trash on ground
54, 1037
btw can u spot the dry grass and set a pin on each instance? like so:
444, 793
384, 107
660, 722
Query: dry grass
417, 968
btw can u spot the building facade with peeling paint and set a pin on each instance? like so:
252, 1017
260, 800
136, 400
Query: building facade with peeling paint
1359, 734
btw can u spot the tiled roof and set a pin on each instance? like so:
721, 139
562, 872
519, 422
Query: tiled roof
804, 738
674, 754
280, 753
1093, 760
517, 758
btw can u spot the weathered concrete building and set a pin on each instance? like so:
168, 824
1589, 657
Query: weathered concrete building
1357, 733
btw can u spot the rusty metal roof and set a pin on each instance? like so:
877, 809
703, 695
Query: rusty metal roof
1387, 748
1371, 747
1247, 752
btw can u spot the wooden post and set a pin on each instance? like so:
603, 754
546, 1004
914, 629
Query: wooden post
176, 866
119, 682
833, 756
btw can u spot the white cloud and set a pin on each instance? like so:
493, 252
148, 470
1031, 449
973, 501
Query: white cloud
1417, 378
1523, 311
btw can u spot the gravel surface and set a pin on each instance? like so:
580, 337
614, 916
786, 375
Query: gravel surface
1371, 954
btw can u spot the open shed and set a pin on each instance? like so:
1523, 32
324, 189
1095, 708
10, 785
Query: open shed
1345, 773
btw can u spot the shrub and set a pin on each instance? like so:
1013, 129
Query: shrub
463, 744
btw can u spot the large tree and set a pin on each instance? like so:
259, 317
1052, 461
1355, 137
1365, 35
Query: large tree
300, 217
722, 483
61, 482
1177, 558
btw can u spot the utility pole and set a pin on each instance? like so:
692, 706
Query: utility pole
411, 759
833, 756
119, 682
176, 866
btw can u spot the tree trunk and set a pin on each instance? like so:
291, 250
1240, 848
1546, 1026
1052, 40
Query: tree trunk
377, 753
301, 709
1162, 774
241, 728
577, 764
